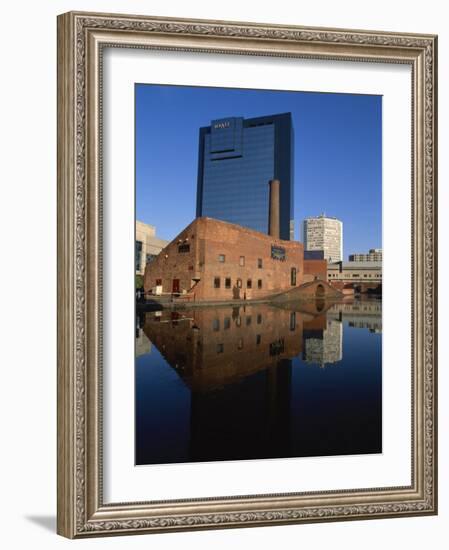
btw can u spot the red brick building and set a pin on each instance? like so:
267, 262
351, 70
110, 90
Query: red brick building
213, 260
315, 269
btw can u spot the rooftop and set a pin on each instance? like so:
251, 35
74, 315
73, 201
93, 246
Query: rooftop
206, 221
322, 216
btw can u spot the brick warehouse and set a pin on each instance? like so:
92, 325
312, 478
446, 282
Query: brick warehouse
216, 260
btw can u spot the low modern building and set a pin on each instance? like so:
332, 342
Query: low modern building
148, 245
216, 260
363, 314
355, 273
374, 255
324, 234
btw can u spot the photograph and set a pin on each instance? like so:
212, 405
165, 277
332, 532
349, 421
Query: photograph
258, 274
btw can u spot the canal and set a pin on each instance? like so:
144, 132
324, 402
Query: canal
258, 381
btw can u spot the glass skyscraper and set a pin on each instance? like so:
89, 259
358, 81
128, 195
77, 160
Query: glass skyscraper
237, 159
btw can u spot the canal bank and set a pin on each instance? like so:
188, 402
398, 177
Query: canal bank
308, 292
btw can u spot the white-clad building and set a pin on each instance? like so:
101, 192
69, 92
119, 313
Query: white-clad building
148, 245
324, 234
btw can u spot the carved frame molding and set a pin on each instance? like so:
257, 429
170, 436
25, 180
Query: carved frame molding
81, 39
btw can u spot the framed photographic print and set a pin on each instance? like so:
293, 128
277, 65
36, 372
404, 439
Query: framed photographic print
246, 274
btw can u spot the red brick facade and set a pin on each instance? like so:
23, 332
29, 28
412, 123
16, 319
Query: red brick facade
315, 269
215, 260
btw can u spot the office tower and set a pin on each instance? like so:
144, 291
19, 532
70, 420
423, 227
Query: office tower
237, 159
324, 234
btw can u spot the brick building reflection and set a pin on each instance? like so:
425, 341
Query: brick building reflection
211, 348
237, 362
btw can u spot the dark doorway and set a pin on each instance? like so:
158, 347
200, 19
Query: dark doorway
175, 289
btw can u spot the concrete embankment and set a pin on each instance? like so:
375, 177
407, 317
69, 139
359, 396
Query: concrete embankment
311, 291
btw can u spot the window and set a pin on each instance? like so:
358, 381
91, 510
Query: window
242, 260
216, 282
277, 347
259, 318
249, 283
220, 348
355, 275
293, 276
248, 320
258, 339
278, 253
216, 325
227, 322
228, 282
238, 321
292, 320
221, 258
240, 343
158, 282
184, 248
239, 283
138, 254
259, 263
150, 258
259, 283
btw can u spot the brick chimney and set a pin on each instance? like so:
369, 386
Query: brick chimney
274, 216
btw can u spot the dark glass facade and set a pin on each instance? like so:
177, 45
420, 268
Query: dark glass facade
313, 254
237, 159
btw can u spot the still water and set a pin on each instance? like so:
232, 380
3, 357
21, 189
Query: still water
260, 381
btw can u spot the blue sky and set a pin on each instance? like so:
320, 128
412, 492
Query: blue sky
338, 154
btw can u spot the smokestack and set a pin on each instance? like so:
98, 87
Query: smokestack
274, 218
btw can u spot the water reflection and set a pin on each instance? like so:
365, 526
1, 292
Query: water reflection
236, 383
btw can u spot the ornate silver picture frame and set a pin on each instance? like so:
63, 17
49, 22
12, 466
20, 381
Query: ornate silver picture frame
82, 40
